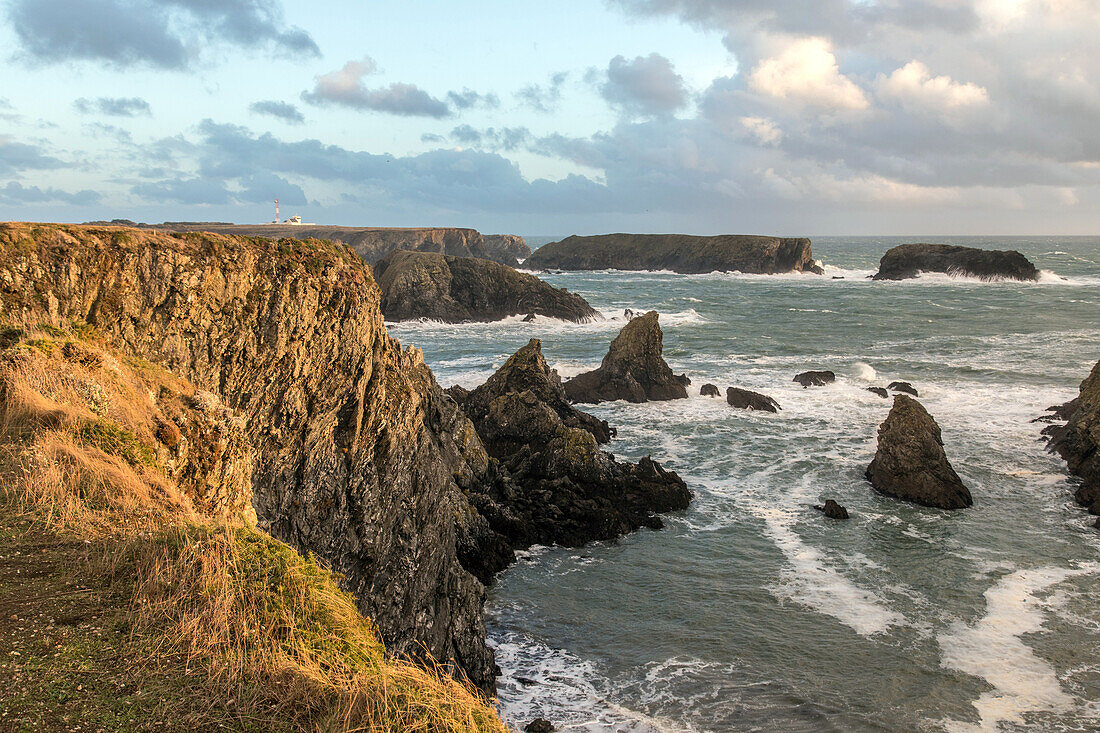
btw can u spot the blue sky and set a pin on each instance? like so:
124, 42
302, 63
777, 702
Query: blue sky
792, 117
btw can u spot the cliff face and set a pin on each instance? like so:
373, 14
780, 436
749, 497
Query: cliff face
456, 289
506, 248
677, 252
371, 243
356, 450
1078, 441
909, 260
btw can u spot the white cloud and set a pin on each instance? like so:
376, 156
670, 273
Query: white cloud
915, 88
806, 72
764, 130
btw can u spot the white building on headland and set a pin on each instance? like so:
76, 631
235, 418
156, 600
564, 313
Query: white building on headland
296, 219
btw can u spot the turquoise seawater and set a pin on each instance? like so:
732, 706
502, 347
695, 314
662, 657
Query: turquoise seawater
751, 611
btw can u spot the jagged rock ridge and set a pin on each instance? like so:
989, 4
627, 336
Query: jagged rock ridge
456, 289
1078, 441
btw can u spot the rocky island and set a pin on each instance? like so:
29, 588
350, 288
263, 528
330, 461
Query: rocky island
907, 261
459, 289
678, 253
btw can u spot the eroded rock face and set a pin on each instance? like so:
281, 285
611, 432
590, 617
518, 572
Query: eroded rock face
1078, 441
457, 289
677, 252
909, 260
815, 379
633, 369
880, 391
710, 390
911, 464
358, 455
744, 399
507, 249
553, 484
905, 387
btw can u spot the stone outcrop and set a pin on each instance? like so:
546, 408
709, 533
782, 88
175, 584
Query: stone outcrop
815, 379
508, 249
909, 260
358, 455
710, 390
677, 252
457, 289
832, 510
554, 485
633, 369
744, 399
371, 243
911, 464
1078, 441
880, 391
905, 387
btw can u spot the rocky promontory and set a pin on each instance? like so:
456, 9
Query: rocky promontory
553, 483
371, 243
458, 289
1078, 441
911, 463
633, 369
677, 252
909, 260
506, 248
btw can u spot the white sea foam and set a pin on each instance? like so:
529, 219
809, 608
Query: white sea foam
864, 372
992, 648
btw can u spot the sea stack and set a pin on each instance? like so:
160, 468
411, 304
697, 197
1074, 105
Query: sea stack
633, 369
1078, 441
679, 253
911, 464
909, 260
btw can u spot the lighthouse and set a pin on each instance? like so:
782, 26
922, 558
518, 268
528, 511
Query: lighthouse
276, 212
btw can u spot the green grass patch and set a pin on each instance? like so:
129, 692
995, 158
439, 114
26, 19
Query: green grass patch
116, 440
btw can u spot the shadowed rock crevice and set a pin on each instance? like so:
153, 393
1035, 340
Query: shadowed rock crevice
1078, 441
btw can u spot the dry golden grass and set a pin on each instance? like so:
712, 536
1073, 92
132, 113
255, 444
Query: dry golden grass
213, 598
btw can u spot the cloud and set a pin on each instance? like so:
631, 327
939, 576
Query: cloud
344, 87
468, 98
184, 191
541, 98
284, 111
505, 138
647, 85
113, 106
763, 130
16, 157
915, 88
262, 187
15, 193
168, 34
806, 72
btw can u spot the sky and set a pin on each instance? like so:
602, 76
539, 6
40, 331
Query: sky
788, 117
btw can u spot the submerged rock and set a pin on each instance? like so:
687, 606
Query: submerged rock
880, 391
1078, 441
457, 289
710, 390
815, 379
909, 260
553, 484
679, 253
903, 387
633, 369
832, 510
539, 725
747, 400
911, 464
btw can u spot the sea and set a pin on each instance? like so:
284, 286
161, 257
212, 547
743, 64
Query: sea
750, 611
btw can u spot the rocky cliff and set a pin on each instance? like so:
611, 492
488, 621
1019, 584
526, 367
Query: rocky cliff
507, 248
677, 252
371, 243
1078, 441
357, 453
909, 260
457, 289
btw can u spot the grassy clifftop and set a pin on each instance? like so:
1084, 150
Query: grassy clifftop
136, 592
